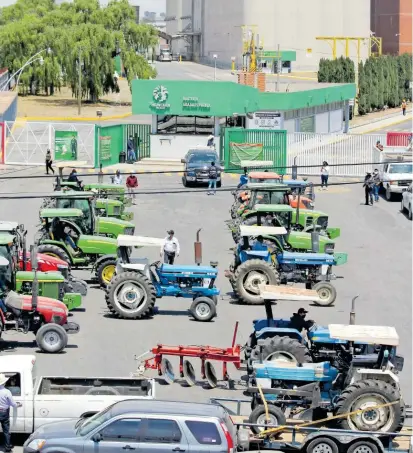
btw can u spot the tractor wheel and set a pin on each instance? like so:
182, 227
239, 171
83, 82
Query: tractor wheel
258, 416
105, 272
249, 276
326, 292
203, 309
51, 338
283, 349
130, 295
55, 251
370, 393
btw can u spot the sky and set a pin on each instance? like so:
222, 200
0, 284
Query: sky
158, 6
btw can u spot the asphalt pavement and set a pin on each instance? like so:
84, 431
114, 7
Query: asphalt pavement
378, 240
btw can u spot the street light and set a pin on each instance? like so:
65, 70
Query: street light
31, 60
215, 56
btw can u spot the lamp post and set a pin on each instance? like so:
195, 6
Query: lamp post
31, 60
79, 91
215, 56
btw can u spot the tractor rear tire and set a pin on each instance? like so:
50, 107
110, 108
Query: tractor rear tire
326, 292
203, 309
54, 250
365, 393
51, 338
140, 286
259, 272
282, 348
258, 417
105, 272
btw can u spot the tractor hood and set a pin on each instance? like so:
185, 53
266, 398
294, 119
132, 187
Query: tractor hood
113, 227
26, 276
103, 202
97, 245
302, 241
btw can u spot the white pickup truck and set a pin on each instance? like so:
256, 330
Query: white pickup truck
395, 170
49, 399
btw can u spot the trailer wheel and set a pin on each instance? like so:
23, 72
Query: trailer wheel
203, 309
258, 416
249, 276
370, 393
51, 338
326, 292
363, 446
282, 348
322, 445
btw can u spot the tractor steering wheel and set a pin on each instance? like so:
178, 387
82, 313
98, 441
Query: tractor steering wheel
156, 264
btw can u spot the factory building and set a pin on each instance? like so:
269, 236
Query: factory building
202, 29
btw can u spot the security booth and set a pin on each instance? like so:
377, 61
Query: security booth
270, 60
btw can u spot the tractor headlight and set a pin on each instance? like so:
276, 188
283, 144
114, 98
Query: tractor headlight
329, 248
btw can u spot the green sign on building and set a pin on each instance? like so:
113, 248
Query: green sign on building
65, 145
105, 143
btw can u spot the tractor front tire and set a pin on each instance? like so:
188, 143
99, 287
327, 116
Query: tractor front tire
326, 292
130, 295
51, 338
203, 309
259, 417
55, 251
281, 348
370, 393
105, 272
249, 275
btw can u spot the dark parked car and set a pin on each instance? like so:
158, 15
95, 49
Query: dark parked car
196, 163
145, 426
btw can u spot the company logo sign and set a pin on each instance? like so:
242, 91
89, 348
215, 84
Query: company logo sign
160, 96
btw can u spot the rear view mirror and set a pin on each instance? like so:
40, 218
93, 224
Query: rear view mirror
97, 437
183, 161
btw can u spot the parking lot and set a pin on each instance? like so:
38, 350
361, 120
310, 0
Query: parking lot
377, 240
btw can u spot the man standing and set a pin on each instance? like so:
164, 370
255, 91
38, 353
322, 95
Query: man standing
368, 189
170, 248
376, 184
212, 175
132, 184
404, 105
117, 179
6, 402
49, 162
131, 150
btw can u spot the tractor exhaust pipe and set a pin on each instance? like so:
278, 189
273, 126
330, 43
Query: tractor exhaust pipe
23, 234
198, 249
35, 285
353, 311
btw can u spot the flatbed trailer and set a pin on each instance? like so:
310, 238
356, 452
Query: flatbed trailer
294, 438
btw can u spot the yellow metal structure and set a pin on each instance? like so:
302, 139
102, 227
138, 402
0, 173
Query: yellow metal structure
249, 47
374, 43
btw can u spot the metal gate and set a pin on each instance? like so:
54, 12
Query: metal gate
141, 134
26, 142
354, 155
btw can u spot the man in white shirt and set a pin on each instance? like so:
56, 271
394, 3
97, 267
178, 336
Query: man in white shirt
118, 178
6, 402
170, 248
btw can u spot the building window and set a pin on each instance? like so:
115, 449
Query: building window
307, 124
197, 125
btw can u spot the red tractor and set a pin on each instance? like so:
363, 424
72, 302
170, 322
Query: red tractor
45, 317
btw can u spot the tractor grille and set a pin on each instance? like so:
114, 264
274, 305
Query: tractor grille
309, 221
64, 270
116, 210
61, 291
129, 231
404, 183
322, 222
329, 248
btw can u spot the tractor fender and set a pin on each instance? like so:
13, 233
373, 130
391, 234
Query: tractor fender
269, 332
103, 258
377, 375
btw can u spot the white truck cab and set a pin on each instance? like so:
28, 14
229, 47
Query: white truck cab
395, 171
47, 399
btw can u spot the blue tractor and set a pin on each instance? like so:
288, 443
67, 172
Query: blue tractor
347, 370
137, 284
258, 262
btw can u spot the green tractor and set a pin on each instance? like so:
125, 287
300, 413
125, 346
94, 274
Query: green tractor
50, 284
91, 223
294, 241
97, 253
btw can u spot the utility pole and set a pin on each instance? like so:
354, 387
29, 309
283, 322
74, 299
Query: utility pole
278, 67
79, 92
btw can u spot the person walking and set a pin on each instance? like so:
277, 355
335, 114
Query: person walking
49, 162
368, 189
243, 178
170, 248
210, 142
404, 106
376, 180
117, 179
325, 171
6, 402
212, 175
131, 150
132, 184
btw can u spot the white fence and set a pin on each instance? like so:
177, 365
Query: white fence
354, 153
26, 142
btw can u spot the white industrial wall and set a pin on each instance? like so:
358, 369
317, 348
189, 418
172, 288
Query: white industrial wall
293, 24
322, 123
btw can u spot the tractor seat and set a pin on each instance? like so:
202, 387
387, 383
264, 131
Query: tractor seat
15, 302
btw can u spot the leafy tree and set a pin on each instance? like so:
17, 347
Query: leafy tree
71, 30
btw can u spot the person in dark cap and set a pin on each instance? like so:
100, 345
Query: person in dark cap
368, 188
170, 248
297, 320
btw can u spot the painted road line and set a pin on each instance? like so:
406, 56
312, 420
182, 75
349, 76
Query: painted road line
400, 120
